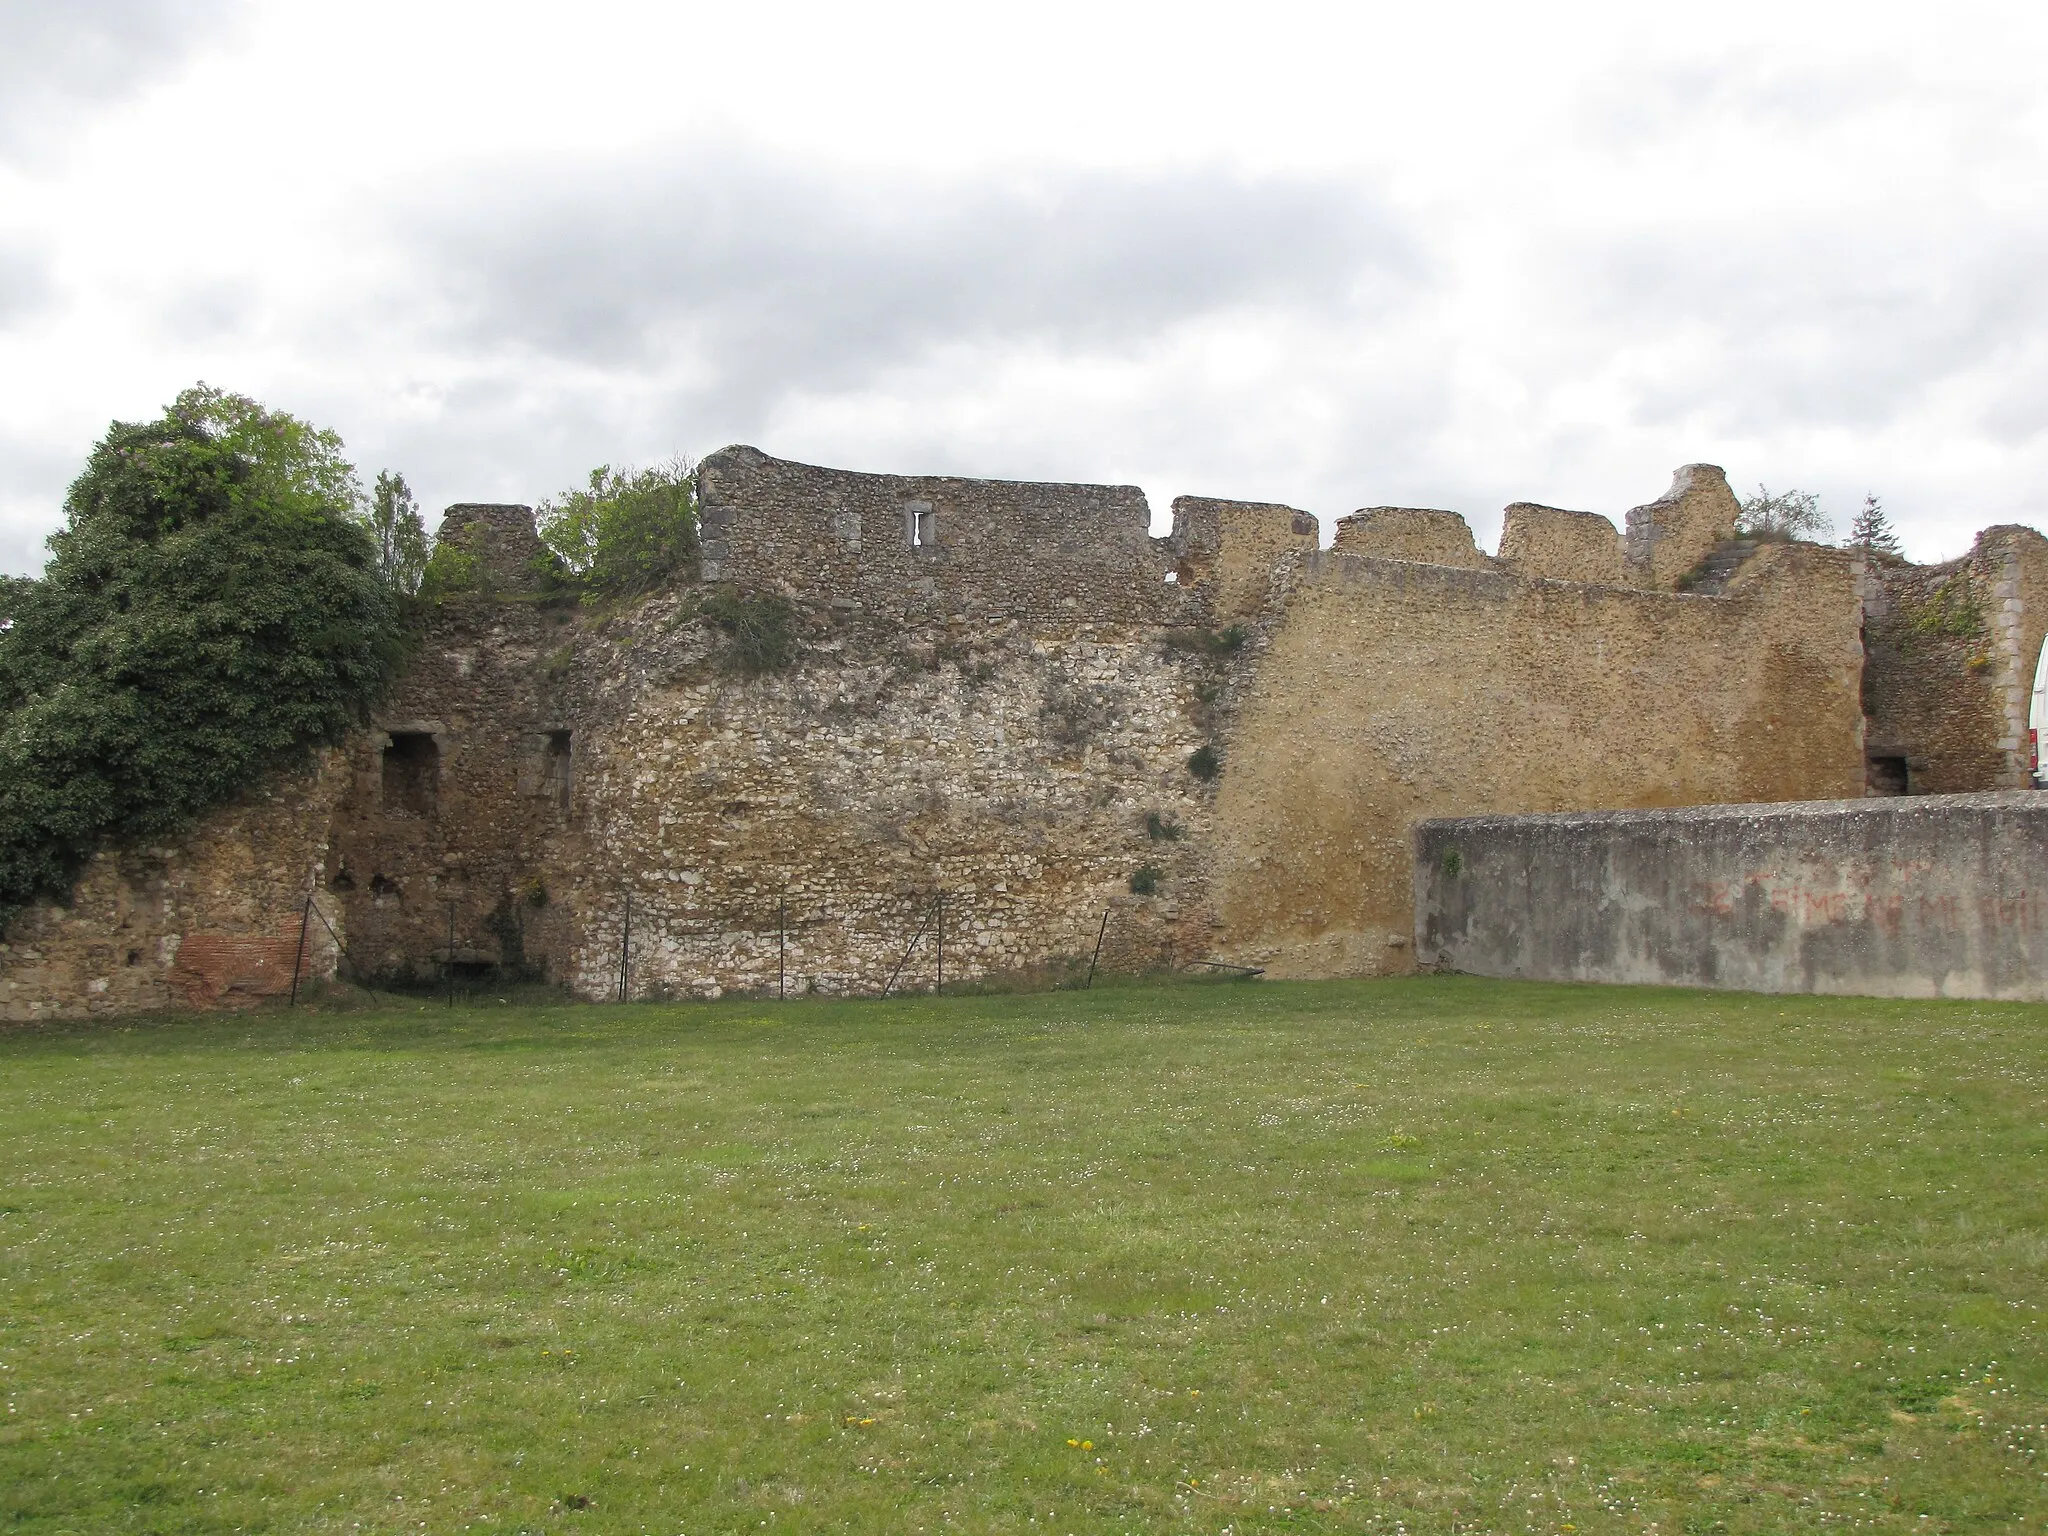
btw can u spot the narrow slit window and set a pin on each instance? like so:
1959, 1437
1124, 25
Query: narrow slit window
920, 524
412, 772
558, 768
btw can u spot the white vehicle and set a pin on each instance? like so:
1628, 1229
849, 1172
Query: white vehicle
2037, 719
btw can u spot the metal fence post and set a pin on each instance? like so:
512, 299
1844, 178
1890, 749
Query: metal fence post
451, 954
299, 958
1089, 984
626, 949
781, 940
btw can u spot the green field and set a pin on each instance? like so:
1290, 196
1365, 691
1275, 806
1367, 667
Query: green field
1439, 1255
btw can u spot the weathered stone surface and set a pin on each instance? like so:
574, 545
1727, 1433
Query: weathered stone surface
1950, 665
1387, 691
1561, 546
501, 535
1668, 537
1231, 547
996, 694
209, 919
1937, 897
923, 549
1409, 533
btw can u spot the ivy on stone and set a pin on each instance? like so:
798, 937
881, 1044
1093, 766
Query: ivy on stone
211, 609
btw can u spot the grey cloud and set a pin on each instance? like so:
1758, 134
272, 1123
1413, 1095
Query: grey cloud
762, 278
57, 56
1820, 326
26, 282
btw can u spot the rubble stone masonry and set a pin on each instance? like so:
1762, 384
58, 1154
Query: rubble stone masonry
994, 736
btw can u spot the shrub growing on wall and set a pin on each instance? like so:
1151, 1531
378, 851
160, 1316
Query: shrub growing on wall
1785, 516
760, 628
627, 531
211, 609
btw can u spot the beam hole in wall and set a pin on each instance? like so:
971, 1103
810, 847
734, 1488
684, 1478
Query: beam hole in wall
412, 771
1886, 776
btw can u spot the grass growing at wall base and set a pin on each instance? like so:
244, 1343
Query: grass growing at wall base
1422, 1256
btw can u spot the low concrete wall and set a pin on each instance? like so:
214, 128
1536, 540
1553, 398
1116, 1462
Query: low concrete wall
1937, 896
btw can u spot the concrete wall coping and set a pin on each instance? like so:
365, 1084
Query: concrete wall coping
1780, 810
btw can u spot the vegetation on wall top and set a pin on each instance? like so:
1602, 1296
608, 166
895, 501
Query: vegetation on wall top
1787, 515
624, 533
213, 606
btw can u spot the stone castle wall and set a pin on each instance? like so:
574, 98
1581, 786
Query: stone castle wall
998, 696
1950, 666
1388, 691
210, 919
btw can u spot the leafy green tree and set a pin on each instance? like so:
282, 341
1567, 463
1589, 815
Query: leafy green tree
1872, 531
401, 536
1788, 515
210, 610
627, 531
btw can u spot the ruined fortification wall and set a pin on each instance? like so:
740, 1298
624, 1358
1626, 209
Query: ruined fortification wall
1410, 533
926, 549
456, 810
1560, 545
206, 920
1014, 772
997, 694
1388, 691
1229, 549
1666, 539
1951, 654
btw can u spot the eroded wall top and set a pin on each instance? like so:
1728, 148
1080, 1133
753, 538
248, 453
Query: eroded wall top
912, 549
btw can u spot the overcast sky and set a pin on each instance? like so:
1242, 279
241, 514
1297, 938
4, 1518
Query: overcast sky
1338, 256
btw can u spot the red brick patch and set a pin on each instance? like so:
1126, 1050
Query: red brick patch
216, 969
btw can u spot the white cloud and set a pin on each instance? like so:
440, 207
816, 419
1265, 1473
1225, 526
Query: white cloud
1330, 255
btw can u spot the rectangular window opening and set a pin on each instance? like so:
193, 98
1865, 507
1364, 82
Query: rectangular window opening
412, 771
920, 524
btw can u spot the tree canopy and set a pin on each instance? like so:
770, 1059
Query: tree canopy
211, 609
1872, 531
625, 532
394, 522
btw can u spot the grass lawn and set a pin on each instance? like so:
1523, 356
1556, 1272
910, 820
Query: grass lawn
1437, 1255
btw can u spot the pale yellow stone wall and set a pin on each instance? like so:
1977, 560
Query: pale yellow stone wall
1668, 537
1560, 545
1228, 550
1388, 691
1409, 533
